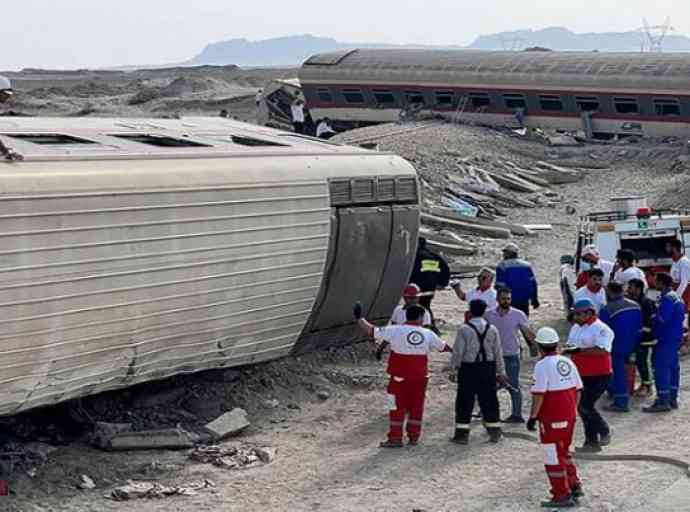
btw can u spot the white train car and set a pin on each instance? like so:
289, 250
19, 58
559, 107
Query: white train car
605, 94
132, 250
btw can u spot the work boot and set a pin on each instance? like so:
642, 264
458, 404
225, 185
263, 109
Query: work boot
605, 439
588, 447
513, 419
568, 502
495, 434
674, 404
461, 436
616, 408
391, 444
413, 442
658, 407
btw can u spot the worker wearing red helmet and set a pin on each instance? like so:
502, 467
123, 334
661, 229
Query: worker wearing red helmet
410, 298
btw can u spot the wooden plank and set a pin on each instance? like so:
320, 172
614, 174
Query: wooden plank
514, 182
464, 227
515, 229
450, 249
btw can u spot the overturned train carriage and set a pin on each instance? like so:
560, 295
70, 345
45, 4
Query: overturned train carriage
136, 250
603, 94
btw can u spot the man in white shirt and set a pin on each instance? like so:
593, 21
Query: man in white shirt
259, 97
594, 289
484, 290
627, 269
410, 298
408, 369
591, 256
324, 130
680, 271
297, 110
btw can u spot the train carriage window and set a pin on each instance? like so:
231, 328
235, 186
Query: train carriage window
515, 101
353, 95
444, 98
414, 97
49, 139
479, 99
587, 103
550, 102
667, 107
324, 95
626, 105
161, 141
383, 97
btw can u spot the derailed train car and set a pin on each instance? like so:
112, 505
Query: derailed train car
604, 94
133, 250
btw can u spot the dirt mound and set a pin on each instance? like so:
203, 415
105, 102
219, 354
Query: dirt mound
190, 85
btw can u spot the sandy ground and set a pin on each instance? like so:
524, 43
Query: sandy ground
328, 456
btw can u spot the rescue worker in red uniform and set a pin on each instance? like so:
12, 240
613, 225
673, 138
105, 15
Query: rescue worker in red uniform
555, 398
410, 346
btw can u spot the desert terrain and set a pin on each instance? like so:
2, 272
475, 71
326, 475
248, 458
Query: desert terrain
324, 413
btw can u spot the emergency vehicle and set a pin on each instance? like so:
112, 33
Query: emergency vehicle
632, 225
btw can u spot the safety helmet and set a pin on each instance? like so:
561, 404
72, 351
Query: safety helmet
547, 336
411, 291
511, 248
584, 305
590, 250
5, 85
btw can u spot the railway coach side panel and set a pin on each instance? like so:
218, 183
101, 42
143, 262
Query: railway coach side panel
104, 290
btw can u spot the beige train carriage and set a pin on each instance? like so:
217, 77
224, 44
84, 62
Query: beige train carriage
132, 250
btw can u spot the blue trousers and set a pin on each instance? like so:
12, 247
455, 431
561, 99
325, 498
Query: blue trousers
513, 370
619, 383
666, 373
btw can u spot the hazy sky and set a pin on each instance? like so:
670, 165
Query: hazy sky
89, 33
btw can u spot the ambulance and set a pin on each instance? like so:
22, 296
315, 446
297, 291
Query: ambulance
632, 225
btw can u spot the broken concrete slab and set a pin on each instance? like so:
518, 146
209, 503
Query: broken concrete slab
228, 424
103, 432
169, 438
266, 454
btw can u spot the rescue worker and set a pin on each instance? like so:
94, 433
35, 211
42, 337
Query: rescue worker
680, 271
430, 272
626, 268
594, 289
258, 97
297, 111
636, 292
624, 317
478, 359
510, 322
590, 255
410, 298
484, 290
408, 369
6, 94
555, 397
668, 330
589, 344
517, 274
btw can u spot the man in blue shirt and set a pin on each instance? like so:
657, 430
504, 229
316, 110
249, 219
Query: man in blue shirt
668, 329
624, 317
517, 275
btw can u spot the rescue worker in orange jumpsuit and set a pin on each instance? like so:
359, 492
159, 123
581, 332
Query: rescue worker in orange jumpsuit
410, 346
555, 398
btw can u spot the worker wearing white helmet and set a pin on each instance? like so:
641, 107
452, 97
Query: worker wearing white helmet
555, 396
591, 256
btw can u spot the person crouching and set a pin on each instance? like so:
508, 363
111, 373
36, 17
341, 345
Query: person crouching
478, 359
555, 396
410, 346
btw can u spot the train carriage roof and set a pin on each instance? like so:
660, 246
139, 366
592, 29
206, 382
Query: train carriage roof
649, 72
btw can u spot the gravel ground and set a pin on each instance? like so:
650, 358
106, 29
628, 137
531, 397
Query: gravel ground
328, 459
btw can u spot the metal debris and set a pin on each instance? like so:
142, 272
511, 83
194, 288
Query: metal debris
134, 490
233, 457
